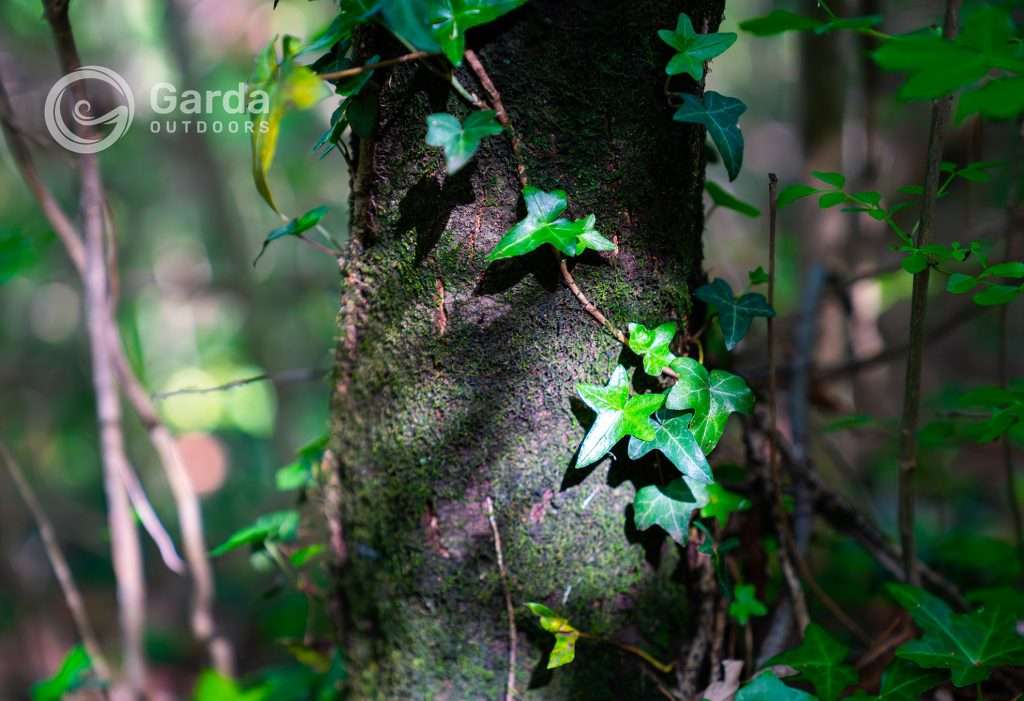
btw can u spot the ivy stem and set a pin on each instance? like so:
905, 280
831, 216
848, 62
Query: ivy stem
786, 544
918, 312
358, 70
662, 667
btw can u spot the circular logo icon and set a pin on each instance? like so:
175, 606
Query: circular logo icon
115, 122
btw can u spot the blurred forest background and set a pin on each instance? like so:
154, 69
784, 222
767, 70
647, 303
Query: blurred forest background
197, 313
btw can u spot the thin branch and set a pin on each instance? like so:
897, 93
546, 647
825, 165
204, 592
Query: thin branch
918, 310
788, 547
286, 376
72, 596
510, 611
687, 673
126, 549
358, 70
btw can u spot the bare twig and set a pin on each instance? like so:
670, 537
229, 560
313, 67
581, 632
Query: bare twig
787, 546
127, 552
72, 596
357, 70
918, 310
285, 376
510, 611
687, 673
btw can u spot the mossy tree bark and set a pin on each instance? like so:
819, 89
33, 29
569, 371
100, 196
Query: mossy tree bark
455, 380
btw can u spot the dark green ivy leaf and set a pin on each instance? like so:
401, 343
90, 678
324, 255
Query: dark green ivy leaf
295, 227
451, 19
618, 415
767, 687
820, 659
721, 198
722, 503
543, 225
734, 315
970, 645
720, 115
652, 345
694, 49
903, 681
460, 141
675, 441
669, 506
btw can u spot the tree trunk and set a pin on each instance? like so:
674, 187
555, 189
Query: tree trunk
455, 380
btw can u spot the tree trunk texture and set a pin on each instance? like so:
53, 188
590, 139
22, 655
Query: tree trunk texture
455, 380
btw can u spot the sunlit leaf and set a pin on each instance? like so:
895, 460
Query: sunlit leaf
280, 526
653, 345
460, 141
543, 225
669, 506
618, 415
693, 49
675, 441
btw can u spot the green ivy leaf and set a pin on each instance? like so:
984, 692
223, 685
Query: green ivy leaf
565, 634
72, 675
453, 18
745, 604
767, 687
675, 441
693, 49
543, 225
669, 506
734, 315
793, 193
294, 227
970, 645
277, 527
727, 200
720, 115
713, 397
820, 659
722, 503
778, 22
758, 276
903, 681
618, 415
409, 20
652, 345
460, 141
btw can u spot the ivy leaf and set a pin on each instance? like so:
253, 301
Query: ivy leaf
675, 441
453, 18
758, 277
767, 687
460, 141
294, 227
694, 49
722, 503
618, 415
566, 636
409, 20
543, 225
287, 85
693, 388
734, 315
793, 193
820, 659
720, 115
778, 22
713, 397
653, 345
903, 681
669, 506
278, 527
72, 675
721, 198
745, 604
970, 645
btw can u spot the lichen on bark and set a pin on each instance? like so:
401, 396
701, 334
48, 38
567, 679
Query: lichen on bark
430, 418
